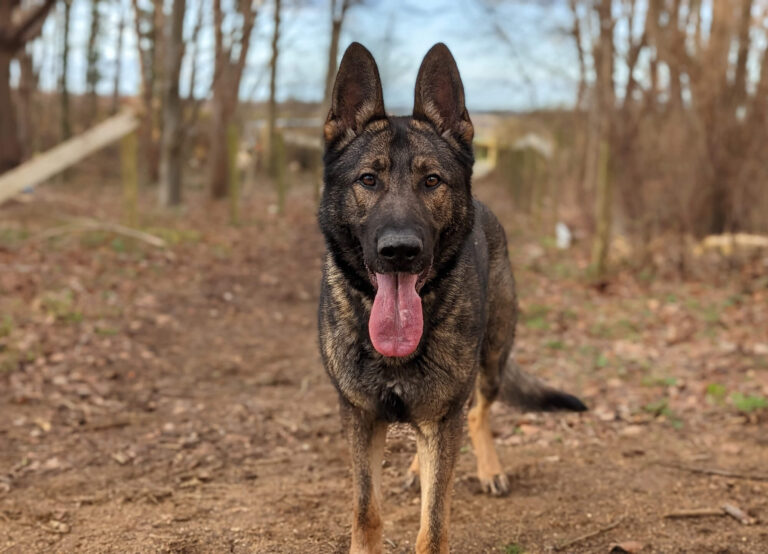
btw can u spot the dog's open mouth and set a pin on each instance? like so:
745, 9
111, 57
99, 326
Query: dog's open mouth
396, 321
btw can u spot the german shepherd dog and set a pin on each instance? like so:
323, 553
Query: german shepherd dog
418, 304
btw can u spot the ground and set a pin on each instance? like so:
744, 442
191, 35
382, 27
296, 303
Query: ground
172, 399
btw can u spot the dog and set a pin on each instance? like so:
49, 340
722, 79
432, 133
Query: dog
417, 305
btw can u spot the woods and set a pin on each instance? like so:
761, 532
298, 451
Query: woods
679, 120
679, 94
17, 27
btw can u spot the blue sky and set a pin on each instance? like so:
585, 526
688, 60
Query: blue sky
535, 67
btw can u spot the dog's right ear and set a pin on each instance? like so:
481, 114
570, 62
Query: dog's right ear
357, 96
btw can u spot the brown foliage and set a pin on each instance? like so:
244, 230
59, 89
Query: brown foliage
687, 125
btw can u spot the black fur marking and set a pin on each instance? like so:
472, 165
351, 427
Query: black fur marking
391, 406
554, 401
353, 277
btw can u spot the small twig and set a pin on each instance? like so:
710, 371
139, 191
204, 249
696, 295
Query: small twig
586, 536
695, 512
715, 471
56, 231
726, 510
104, 425
84, 224
118, 229
268, 461
737, 514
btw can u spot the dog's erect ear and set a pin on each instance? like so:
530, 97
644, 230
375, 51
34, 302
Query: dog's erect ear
357, 96
440, 94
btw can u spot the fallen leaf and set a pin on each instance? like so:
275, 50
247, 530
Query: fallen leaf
631, 431
121, 458
627, 547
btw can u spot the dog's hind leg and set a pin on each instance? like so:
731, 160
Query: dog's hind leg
438, 446
366, 438
412, 476
492, 478
497, 345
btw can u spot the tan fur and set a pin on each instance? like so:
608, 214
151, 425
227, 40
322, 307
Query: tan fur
436, 442
489, 471
414, 467
367, 523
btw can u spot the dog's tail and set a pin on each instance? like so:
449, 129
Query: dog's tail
523, 390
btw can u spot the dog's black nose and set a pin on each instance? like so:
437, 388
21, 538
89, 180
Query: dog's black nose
399, 248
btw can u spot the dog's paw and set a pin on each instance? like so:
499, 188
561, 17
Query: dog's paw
411, 482
496, 485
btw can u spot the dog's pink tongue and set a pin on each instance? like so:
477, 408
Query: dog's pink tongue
396, 320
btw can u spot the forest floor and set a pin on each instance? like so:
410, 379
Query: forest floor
172, 399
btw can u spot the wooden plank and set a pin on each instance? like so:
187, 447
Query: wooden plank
66, 154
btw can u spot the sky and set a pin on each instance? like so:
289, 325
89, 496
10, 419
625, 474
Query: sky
512, 56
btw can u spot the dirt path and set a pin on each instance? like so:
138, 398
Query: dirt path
173, 400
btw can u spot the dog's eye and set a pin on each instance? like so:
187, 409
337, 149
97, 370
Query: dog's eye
432, 181
368, 180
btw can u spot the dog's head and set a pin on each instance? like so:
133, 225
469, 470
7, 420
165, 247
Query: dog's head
397, 203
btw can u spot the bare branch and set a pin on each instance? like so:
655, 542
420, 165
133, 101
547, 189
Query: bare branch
29, 28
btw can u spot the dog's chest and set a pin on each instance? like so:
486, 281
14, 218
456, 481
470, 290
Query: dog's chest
419, 391
394, 404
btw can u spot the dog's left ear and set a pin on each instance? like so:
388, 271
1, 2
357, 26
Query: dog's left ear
439, 95
357, 95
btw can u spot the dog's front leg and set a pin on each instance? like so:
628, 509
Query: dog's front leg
438, 445
366, 438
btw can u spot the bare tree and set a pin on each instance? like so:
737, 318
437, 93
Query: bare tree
194, 40
338, 13
148, 25
118, 59
231, 55
15, 31
272, 107
28, 82
276, 146
92, 56
65, 120
685, 117
577, 38
604, 101
171, 146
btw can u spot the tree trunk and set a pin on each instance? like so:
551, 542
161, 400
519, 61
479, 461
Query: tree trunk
92, 59
576, 34
14, 35
740, 76
218, 155
26, 99
338, 11
170, 159
226, 86
272, 108
66, 125
333, 56
130, 175
147, 48
118, 64
233, 147
10, 147
605, 102
603, 202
